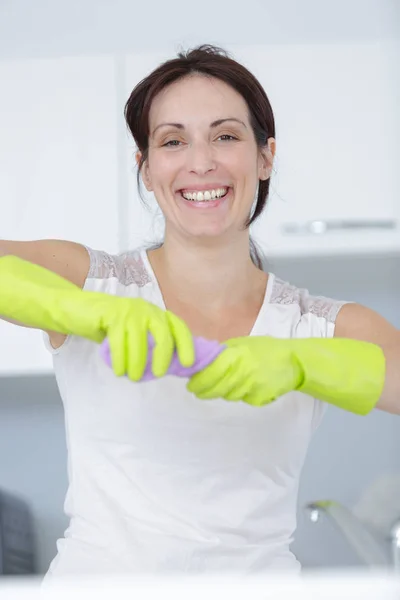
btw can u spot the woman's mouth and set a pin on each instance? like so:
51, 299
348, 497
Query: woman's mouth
205, 198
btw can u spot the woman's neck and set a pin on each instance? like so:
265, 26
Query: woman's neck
207, 275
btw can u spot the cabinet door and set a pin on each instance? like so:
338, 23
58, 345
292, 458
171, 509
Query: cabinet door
58, 168
335, 188
144, 219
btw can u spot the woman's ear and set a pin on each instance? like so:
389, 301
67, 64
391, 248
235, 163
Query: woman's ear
144, 171
266, 160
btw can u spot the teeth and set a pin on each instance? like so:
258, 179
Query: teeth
206, 195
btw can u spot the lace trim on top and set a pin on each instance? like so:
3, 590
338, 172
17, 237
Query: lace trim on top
320, 306
128, 267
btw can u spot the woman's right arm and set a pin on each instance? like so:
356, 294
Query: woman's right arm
68, 259
43, 289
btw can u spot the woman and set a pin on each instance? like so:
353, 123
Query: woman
161, 481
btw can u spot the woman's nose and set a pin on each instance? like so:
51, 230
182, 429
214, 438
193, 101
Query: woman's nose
200, 158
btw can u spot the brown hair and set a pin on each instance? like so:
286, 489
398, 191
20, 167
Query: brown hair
210, 61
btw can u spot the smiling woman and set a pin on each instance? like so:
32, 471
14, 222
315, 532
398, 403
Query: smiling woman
189, 115
161, 479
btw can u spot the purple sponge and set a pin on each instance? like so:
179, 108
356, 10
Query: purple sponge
205, 352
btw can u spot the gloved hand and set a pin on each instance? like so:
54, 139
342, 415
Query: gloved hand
344, 372
39, 298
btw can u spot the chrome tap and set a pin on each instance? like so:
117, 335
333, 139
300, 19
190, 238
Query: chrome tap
359, 538
372, 527
395, 545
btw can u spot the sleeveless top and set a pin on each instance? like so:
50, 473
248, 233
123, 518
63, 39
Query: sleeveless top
160, 481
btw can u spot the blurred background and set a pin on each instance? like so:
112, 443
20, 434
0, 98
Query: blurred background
332, 224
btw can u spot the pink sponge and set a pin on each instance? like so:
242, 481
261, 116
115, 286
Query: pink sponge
205, 352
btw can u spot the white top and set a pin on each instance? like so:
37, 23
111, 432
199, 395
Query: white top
160, 481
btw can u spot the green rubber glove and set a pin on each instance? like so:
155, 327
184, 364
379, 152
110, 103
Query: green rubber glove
347, 373
39, 298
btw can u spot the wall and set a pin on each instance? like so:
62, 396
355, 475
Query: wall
47, 28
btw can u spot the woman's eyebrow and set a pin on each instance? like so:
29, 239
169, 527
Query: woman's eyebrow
213, 124
220, 121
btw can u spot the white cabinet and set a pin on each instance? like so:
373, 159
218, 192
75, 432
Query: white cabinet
335, 189
58, 168
144, 219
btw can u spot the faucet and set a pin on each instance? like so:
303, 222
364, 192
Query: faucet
395, 545
361, 539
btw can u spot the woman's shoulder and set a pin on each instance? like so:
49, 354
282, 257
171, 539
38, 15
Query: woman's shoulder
124, 268
294, 311
285, 293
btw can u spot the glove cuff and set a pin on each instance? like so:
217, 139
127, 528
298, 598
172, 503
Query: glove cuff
349, 374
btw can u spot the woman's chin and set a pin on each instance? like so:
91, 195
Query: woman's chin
201, 232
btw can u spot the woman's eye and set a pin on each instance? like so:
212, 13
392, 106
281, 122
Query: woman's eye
172, 143
227, 137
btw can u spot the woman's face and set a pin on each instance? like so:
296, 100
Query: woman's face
203, 163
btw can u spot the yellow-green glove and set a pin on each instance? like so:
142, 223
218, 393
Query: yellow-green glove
39, 298
347, 373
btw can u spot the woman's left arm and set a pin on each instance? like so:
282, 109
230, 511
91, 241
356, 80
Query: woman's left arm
358, 322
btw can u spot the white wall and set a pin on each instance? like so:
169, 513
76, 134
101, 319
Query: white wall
41, 28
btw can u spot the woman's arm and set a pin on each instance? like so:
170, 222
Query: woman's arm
361, 323
68, 259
